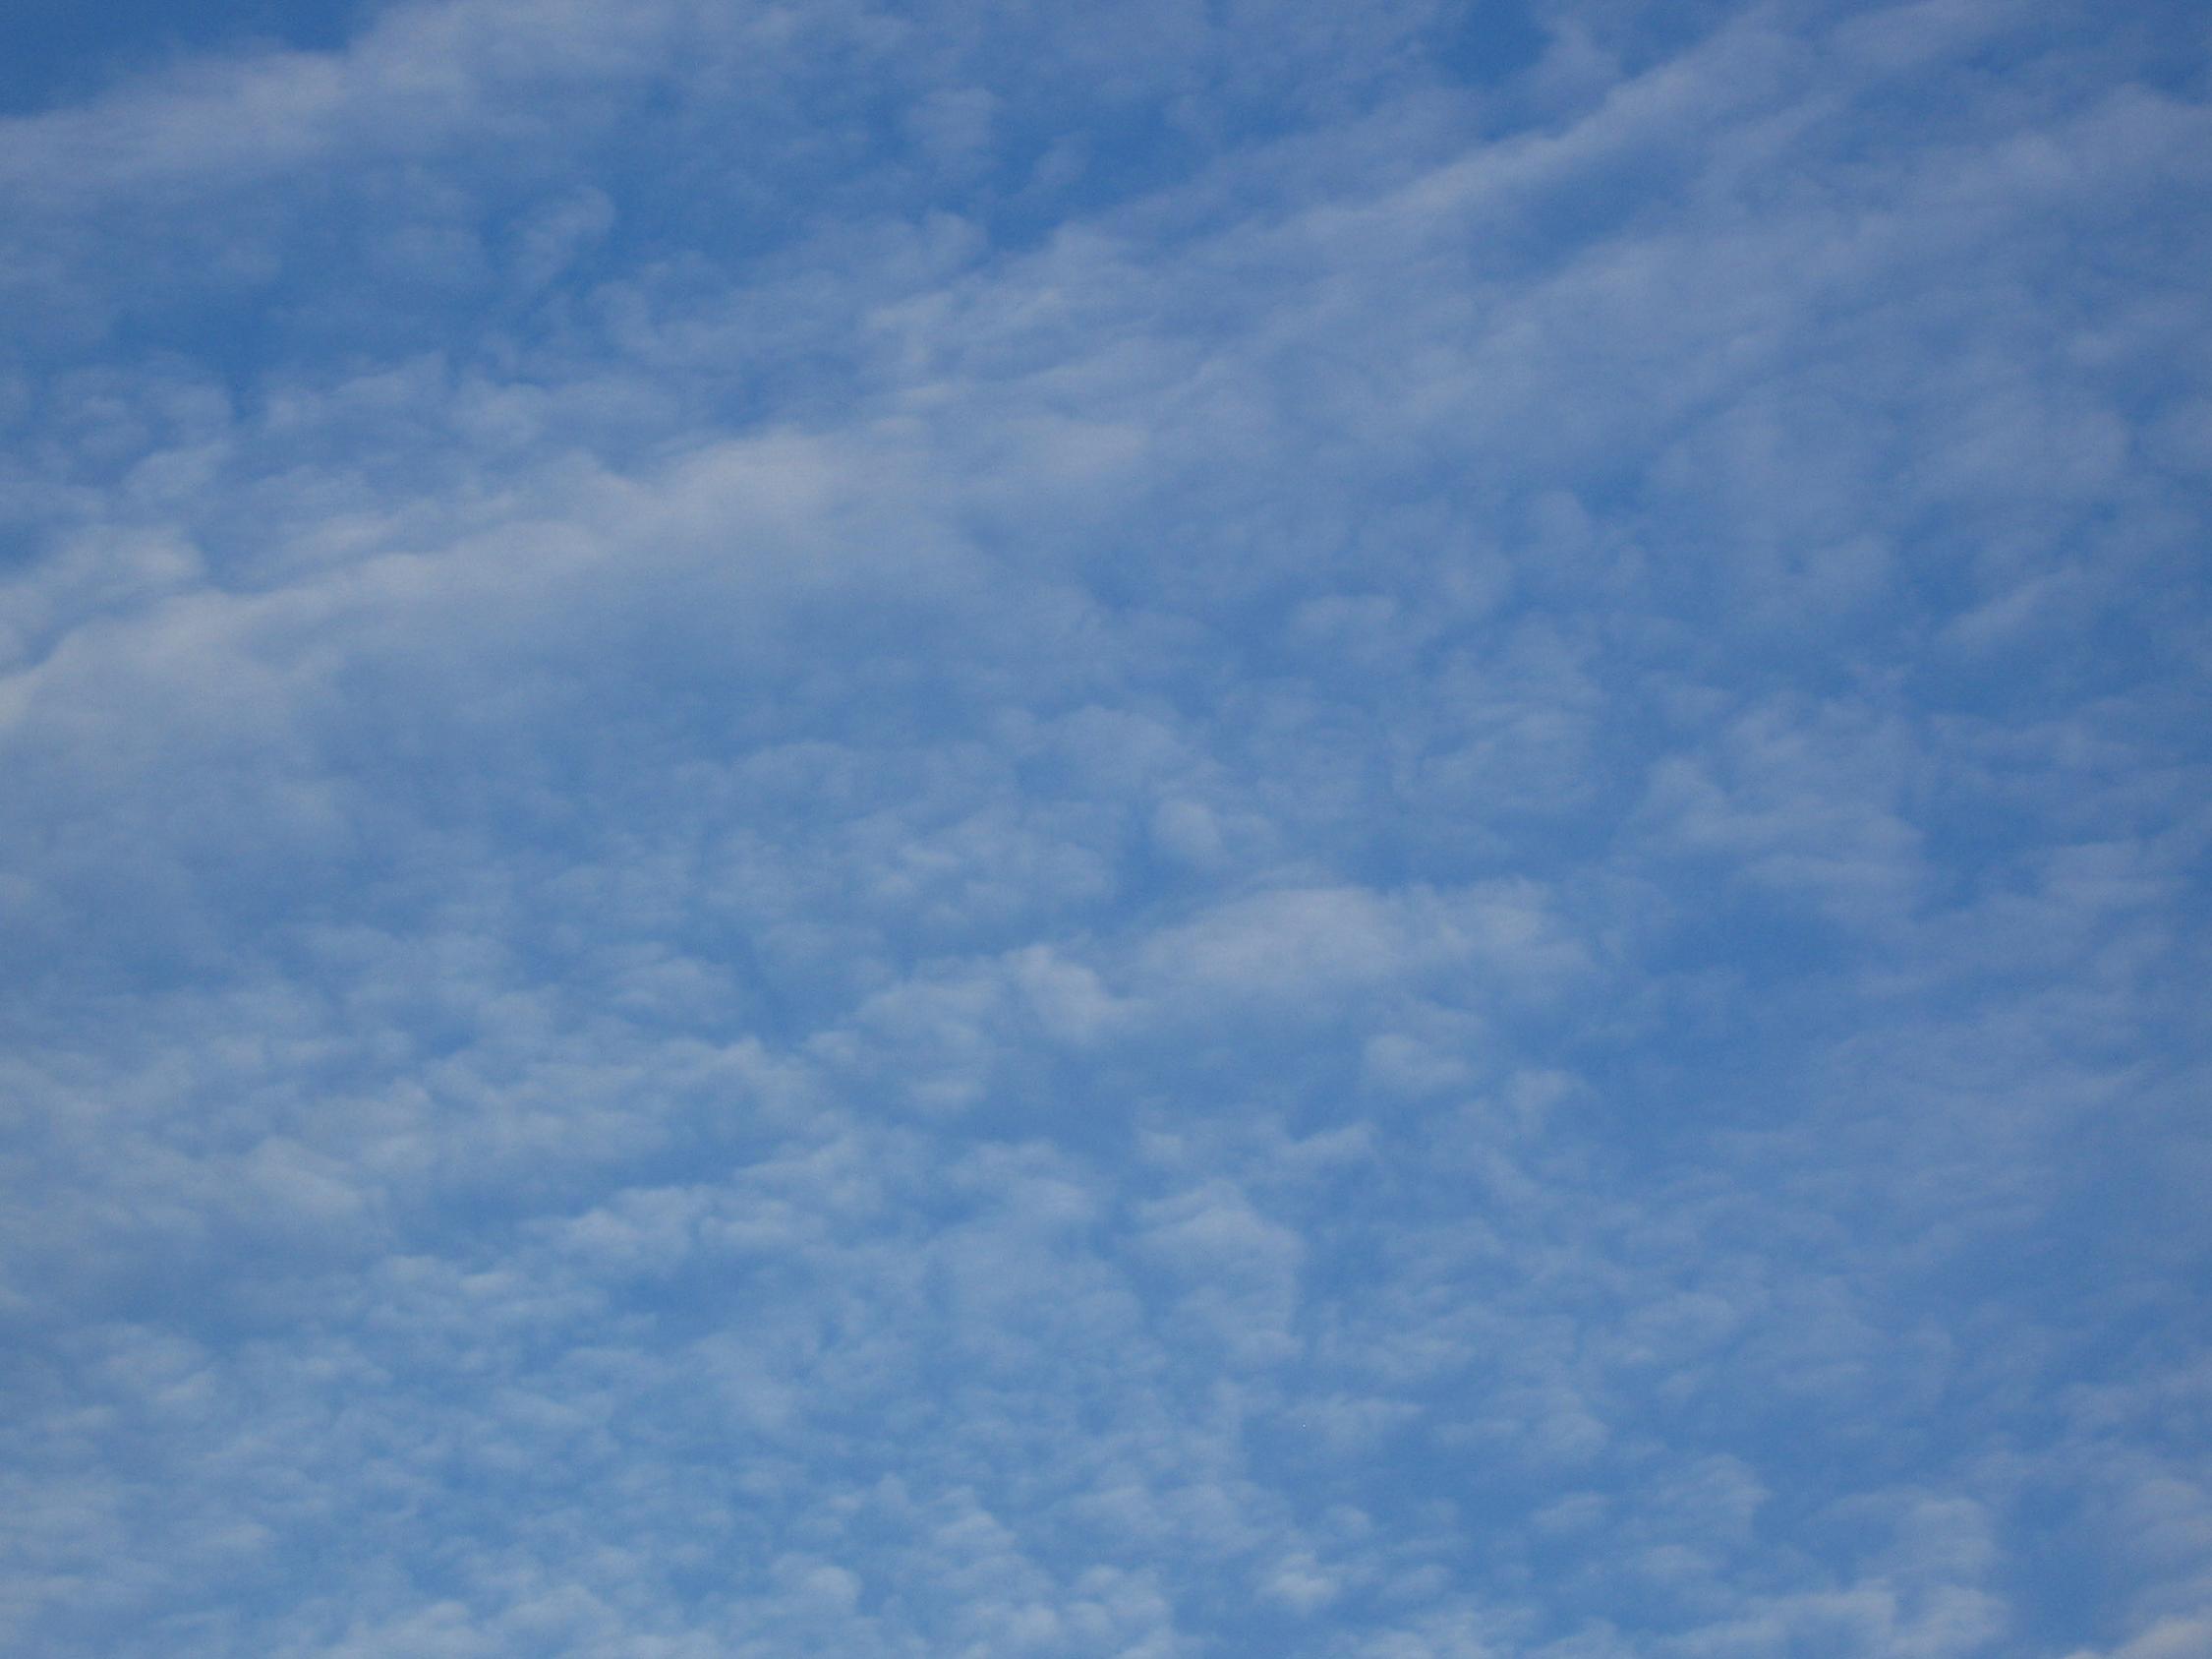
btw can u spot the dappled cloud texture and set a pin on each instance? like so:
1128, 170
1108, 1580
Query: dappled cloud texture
1253, 829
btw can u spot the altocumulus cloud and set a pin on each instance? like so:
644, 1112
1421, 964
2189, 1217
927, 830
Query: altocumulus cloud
1242, 829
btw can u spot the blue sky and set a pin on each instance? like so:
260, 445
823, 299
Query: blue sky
1176, 830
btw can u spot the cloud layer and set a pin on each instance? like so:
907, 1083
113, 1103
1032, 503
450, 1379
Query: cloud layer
1205, 831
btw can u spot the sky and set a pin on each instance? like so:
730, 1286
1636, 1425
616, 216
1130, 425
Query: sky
1211, 829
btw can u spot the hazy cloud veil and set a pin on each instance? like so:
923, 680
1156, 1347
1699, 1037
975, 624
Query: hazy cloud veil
1210, 827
